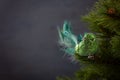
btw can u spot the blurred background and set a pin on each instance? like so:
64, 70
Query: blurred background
28, 37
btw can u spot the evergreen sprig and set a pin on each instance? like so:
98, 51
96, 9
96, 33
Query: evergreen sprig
105, 17
104, 20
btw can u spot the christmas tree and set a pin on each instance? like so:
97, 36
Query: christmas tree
103, 44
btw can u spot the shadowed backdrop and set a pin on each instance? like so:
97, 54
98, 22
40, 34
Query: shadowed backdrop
28, 37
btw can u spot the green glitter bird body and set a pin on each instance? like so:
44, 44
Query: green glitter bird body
88, 45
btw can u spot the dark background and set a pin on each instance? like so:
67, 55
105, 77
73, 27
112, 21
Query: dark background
28, 37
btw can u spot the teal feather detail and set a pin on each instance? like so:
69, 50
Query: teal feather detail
67, 39
79, 38
70, 51
67, 27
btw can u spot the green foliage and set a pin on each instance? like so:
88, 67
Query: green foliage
96, 72
104, 20
90, 73
99, 72
104, 17
115, 42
